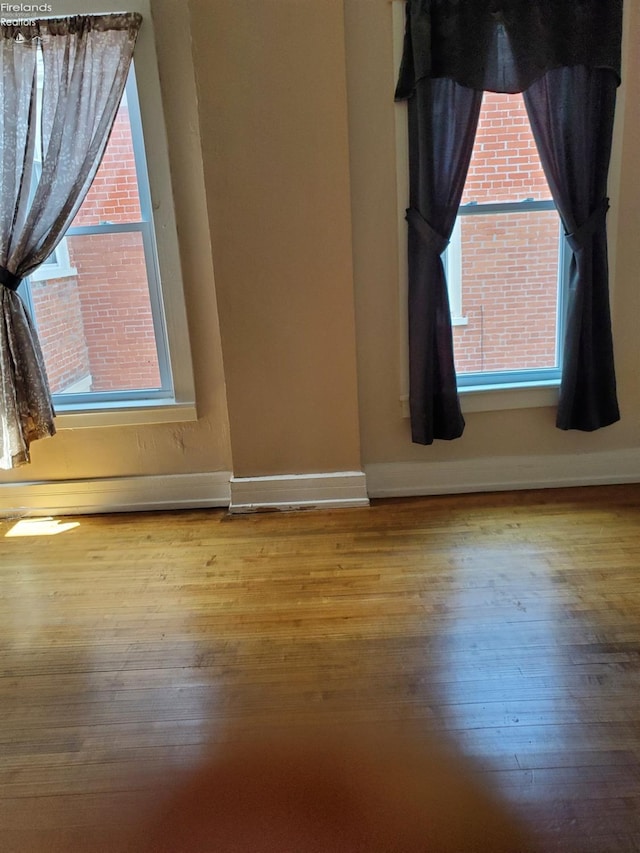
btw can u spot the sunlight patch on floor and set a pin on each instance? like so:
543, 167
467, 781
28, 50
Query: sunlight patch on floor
47, 526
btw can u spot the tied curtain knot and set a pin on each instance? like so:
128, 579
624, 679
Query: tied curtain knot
429, 236
9, 279
583, 234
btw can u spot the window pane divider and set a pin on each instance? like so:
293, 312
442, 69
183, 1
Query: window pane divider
509, 378
505, 207
105, 228
65, 401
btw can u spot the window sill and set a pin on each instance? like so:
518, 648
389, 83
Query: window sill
493, 398
123, 414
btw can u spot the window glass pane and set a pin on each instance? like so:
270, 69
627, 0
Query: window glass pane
91, 301
504, 165
114, 196
510, 265
96, 327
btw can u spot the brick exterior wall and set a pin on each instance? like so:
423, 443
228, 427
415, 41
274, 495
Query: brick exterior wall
116, 312
60, 329
113, 196
100, 321
509, 261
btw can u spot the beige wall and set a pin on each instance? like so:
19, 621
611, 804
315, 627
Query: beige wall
297, 142
272, 97
625, 231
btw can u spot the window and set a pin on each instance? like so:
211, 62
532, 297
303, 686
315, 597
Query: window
509, 254
506, 263
96, 300
108, 303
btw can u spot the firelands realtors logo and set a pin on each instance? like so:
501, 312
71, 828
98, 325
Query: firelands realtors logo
21, 10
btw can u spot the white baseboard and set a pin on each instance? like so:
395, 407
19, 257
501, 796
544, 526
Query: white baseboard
317, 491
504, 473
117, 494
299, 491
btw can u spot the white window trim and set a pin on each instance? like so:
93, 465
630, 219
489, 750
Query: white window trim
453, 266
478, 398
60, 268
493, 398
81, 385
124, 414
181, 406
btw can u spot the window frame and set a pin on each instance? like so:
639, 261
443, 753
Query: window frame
518, 376
452, 261
144, 227
488, 391
175, 402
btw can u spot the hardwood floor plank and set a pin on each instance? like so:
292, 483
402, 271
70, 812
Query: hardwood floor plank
131, 646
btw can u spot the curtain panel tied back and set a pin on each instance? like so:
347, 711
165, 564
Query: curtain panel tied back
564, 56
85, 61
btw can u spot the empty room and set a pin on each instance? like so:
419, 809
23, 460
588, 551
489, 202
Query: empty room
319, 426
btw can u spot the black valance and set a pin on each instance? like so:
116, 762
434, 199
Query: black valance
506, 45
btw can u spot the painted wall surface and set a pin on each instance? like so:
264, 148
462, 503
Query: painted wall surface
273, 112
376, 248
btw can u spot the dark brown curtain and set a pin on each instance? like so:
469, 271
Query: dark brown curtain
505, 45
443, 118
571, 113
565, 56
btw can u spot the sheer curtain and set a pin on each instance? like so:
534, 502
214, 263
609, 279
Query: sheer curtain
86, 60
565, 56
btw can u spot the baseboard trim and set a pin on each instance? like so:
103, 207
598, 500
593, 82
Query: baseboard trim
116, 494
299, 491
317, 491
506, 473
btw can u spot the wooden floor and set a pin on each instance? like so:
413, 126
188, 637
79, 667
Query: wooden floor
510, 623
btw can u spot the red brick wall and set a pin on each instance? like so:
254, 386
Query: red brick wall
509, 261
113, 196
60, 330
116, 311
